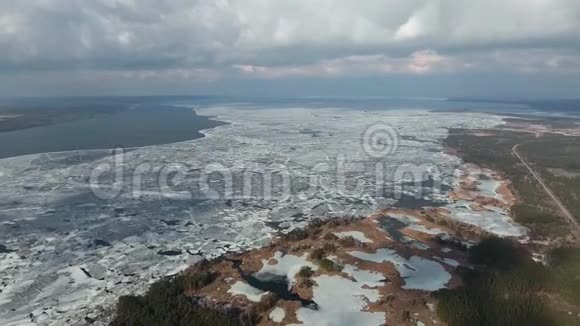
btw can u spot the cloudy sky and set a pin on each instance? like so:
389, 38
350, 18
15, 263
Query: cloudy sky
290, 47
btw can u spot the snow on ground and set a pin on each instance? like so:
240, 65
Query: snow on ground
486, 184
414, 223
370, 279
489, 187
286, 265
494, 220
340, 302
357, 235
250, 292
277, 315
417, 272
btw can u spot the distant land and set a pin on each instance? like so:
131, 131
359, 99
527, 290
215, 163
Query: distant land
568, 106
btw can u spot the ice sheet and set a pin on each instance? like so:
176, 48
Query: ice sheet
49, 215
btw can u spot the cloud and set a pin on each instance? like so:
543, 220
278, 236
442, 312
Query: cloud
282, 38
359, 65
426, 62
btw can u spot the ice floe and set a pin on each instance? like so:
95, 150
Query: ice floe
51, 216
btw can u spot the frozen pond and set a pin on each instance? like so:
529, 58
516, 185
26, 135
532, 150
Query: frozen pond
417, 272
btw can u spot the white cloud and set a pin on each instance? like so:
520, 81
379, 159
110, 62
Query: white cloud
417, 63
424, 62
423, 22
282, 37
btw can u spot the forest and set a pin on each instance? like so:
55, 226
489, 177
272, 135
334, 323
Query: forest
534, 207
167, 303
508, 288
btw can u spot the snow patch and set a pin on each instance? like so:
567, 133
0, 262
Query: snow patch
250, 292
417, 272
337, 307
286, 265
357, 235
277, 315
495, 221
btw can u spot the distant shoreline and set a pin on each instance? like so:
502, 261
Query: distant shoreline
565, 106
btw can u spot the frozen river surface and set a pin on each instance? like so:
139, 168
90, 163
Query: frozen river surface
78, 229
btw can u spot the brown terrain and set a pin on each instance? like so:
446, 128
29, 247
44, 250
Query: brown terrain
400, 306
540, 127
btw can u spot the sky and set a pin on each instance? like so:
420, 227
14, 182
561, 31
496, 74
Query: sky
434, 48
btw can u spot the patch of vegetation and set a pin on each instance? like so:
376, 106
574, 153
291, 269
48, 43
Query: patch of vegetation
268, 302
509, 288
305, 275
308, 283
557, 152
330, 237
342, 221
305, 272
317, 254
300, 247
198, 276
329, 248
296, 235
498, 253
503, 291
311, 232
565, 263
166, 304
348, 241
330, 266
320, 253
